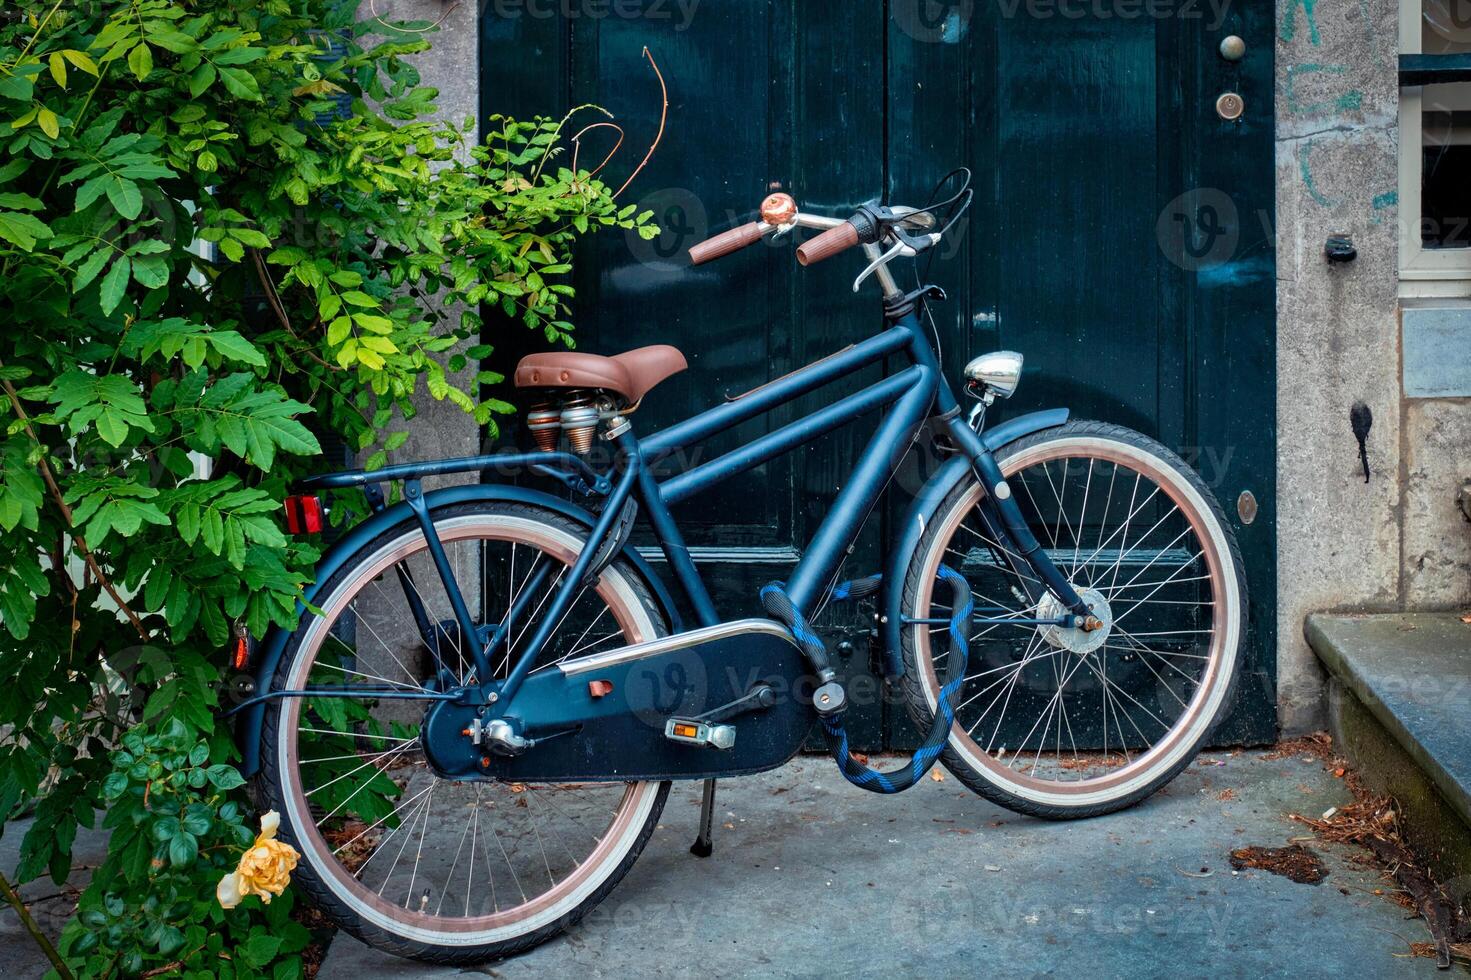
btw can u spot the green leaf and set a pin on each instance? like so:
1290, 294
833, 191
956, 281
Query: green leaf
239, 56
125, 197
240, 83
250, 237
235, 347
20, 202
22, 230
377, 324
261, 948
17, 609
140, 61
224, 777
81, 61
201, 79
114, 286
20, 488
151, 271
90, 191
17, 88
57, 64
115, 785
183, 849
89, 269
357, 298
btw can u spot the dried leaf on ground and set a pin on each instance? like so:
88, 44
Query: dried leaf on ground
1319, 745
1300, 864
1372, 822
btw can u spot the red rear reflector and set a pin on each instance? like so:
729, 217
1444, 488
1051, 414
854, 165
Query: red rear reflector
303, 514
240, 658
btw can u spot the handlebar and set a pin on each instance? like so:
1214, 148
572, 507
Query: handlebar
828, 244
727, 242
902, 231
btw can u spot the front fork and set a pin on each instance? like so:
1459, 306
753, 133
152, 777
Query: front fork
1000, 507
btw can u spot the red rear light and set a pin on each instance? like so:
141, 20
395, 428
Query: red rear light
303, 514
240, 649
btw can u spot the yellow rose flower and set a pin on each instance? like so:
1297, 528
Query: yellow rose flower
264, 870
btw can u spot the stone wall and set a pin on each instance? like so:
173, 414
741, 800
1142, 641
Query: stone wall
440, 429
451, 66
1398, 541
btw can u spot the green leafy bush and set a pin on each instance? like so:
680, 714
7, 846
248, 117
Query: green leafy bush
176, 829
228, 230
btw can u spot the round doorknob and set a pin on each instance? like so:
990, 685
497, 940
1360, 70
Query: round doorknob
1233, 48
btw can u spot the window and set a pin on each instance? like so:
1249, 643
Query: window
1435, 150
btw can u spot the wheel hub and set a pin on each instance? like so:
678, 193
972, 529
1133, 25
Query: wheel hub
453, 737
1074, 639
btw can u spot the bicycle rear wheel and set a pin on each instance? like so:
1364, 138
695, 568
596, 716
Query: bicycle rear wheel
410, 862
1062, 723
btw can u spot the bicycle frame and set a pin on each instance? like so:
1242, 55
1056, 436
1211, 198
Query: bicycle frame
913, 395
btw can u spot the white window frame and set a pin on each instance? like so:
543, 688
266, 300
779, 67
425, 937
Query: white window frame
1423, 272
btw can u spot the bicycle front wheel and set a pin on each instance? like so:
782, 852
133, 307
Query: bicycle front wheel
1058, 722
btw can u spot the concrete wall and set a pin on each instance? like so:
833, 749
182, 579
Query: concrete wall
440, 429
1398, 541
452, 66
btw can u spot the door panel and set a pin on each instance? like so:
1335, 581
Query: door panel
1104, 183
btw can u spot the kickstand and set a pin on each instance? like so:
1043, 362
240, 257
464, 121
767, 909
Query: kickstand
703, 845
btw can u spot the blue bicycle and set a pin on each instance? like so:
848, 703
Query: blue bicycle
471, 733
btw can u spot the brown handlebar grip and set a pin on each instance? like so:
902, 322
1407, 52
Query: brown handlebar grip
828, 244
725, 243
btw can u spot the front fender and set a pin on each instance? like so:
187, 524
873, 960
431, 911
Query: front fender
922, 511
273, 645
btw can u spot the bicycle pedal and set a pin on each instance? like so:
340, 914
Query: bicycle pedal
692, 732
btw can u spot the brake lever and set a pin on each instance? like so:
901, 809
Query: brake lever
901, 249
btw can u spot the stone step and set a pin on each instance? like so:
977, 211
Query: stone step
1400, 708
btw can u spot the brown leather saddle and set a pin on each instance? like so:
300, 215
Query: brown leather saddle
632, 374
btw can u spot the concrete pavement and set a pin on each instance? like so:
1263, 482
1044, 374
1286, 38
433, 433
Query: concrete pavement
815, 877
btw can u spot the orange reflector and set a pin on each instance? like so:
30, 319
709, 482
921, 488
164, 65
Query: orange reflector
303, 514
599, 689
684, 730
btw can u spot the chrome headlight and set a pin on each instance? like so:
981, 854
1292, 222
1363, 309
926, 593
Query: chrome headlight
996, 374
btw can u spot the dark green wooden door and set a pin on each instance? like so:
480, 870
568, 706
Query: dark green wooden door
1120, 236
